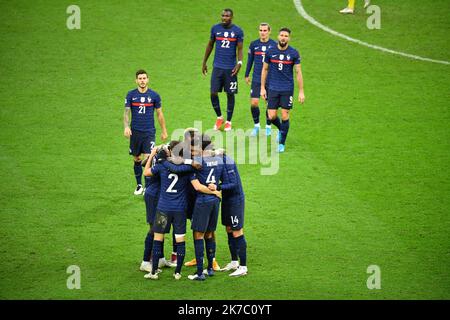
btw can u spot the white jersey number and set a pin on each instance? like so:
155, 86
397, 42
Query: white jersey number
280, 66
233, 85
211, 178
225, 44
170, 189
142, 109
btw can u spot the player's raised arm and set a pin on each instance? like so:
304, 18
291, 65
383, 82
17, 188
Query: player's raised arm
208, 50
147, 169
264, 72
301, 93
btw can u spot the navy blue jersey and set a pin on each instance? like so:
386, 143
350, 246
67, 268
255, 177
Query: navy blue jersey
142, 107
231, 186
172, 196
281, 68
211, 172
226, 40
153, 184
256, 52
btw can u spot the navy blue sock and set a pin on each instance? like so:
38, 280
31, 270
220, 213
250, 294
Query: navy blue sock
242, 250
138, 172
277, 123
181, 251
148, 244
255, 114
284, 130
174, 243
230, 106
216, 104
199, 252
156, 253
268, 122
232, 246
162, 249
210, 245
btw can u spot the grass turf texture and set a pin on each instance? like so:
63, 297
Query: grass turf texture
364, 179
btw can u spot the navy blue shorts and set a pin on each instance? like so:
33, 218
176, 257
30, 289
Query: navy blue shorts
141, 142
221, 79
255, 91
283, 99
151, 202
205, 215
233, 215
164, 220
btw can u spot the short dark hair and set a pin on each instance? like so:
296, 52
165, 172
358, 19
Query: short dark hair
228, 10
141, 71
285, 29
206, 142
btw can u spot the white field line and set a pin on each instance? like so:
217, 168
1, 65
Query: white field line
299, 6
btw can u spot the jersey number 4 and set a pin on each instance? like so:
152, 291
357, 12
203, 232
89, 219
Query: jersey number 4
211, 178
170, 189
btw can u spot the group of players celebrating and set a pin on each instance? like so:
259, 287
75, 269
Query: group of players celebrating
189, 179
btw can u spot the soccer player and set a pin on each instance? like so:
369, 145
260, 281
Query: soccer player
351, 6
206, 209
227, 37
256, 52
141, 103
279, 64
233, 204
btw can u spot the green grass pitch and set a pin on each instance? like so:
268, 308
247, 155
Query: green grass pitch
364, 179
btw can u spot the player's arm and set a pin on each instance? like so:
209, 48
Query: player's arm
208, 50
162, 123
204, 189
238, 65
186, 166
301, 93
264, 72
250, 59
147, 168
126, 122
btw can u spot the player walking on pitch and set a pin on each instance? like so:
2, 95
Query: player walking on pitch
228, 38
279, 65
256, 52
141, 103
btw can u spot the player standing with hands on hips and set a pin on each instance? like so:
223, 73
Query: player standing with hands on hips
228, 38
279, 64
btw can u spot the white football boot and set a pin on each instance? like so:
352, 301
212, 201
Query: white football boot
177, 276
146, 266
347, 11
139, 190
151, 276
233, 265
240, 271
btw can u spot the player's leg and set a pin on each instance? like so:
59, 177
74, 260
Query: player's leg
150, 208
273, 102
135, 151
231, 88
216, 86
241, 245
160, 225
350, 7
286, 105
268, 121
179, 228
210, 239
254, 107
198, 225
227, 213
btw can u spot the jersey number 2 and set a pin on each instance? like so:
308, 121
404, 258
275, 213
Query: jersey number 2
170, 189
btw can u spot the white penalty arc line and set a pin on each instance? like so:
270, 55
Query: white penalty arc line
299, 6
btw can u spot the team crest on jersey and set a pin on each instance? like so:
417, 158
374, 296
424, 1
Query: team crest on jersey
281, 56
288, 57
149, 99
225, 34
232, 34
263, 48
142, 99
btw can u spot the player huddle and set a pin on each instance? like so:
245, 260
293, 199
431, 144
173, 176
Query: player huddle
189, 179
